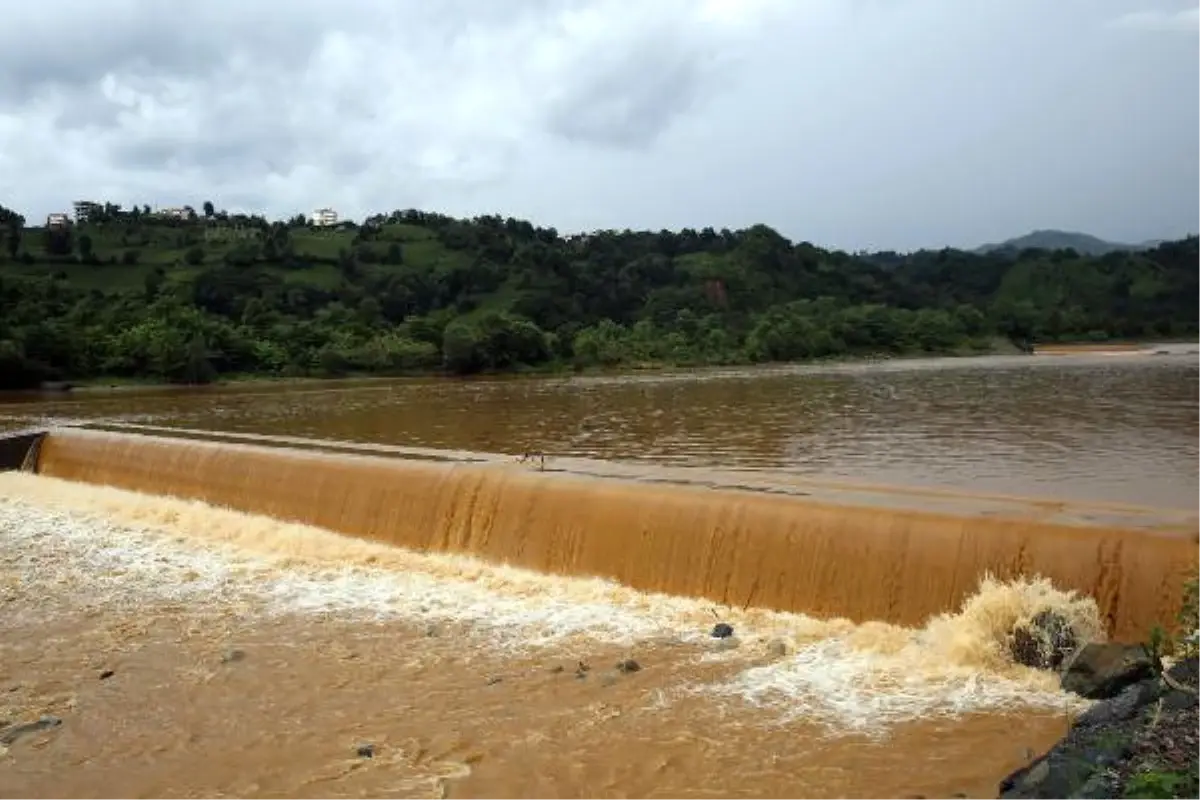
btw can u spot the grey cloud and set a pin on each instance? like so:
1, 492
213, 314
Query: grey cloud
854, 123
75, 46
1185, 20
631, 104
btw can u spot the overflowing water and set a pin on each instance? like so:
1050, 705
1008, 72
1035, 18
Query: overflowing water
259, 603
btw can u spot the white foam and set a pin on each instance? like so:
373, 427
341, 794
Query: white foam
859, 691
102, 562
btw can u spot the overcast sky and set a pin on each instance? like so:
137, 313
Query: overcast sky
848, 123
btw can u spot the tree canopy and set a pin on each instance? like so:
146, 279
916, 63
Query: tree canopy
187, 297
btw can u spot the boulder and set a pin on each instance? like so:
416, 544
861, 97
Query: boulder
1125, 705
722, 630
1044, 642
1099, 671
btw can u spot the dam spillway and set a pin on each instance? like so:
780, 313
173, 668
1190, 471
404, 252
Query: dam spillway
807, 554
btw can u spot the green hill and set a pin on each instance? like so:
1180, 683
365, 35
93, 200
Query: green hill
1082, 243
129, 295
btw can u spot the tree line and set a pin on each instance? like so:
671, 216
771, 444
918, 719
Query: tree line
131, 295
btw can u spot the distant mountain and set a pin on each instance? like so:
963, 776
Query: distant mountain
1082, 243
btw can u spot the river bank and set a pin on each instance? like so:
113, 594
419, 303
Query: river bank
108, 384
997, 348
1142, 743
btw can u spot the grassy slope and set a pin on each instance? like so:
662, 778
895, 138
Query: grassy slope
162, 247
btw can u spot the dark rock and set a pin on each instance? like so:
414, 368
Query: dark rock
628, 666
1044, 642
582, 670
1185, 671
106, 674
722, 630
557, 668
1100, 671
1068, 767
492, 681
1125, 705
365, 751
14, 732
1176, 700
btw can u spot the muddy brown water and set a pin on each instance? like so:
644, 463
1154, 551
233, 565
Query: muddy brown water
1116, 428
450, 713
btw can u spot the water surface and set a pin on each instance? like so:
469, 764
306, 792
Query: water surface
1119, 429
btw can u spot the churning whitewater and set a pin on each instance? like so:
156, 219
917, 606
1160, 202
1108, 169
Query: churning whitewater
100, 546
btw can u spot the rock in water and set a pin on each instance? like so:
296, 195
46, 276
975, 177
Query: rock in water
1044, 642
722, 630
1100, 671
10, 734
628, 666
366, 750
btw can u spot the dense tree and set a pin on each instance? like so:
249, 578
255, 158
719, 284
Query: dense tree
413, 291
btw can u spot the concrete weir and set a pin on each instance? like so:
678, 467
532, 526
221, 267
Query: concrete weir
19, 449
817, 553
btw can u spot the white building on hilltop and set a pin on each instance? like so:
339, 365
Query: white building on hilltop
323, 218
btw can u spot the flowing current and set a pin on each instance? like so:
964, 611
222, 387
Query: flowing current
253, 654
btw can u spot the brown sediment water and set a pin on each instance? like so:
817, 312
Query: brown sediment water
743, 549
1077, 427
462, 671
191, 650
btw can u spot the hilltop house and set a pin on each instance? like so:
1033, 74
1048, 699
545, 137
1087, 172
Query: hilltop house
323, 218
85, 208
58, 220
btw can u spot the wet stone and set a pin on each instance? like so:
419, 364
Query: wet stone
1100, 671
722, 630
1045, 642
365, 750
628, 666
106, 674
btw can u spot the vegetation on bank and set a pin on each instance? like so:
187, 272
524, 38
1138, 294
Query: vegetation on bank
136, 296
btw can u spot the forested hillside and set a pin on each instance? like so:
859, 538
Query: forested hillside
129, 294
